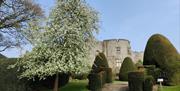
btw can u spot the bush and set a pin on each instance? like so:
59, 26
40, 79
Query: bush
96, 80
135, 81
160, 52
148, 83
100, 61
79, 76
108, 74
9, 80
127, 66
49, 81
8, 77
153, 71
139, 63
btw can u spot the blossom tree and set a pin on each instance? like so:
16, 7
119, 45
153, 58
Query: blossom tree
64, 43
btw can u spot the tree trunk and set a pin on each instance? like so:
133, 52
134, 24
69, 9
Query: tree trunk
56, 81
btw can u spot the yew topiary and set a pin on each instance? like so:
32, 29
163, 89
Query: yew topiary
161, 53
127, 66
100, 62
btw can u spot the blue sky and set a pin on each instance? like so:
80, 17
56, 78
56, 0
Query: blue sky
135, 20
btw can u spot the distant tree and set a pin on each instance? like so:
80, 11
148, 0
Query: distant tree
14, 18
64, 44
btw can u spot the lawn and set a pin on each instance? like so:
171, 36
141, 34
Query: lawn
170, 88
75, 85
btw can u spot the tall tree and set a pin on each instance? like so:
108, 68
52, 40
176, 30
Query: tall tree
64, 43
14, 18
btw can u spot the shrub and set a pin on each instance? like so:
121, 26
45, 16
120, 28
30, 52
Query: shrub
135, 81
160, 52
108, 74
148, 83
96, 81
153, 71
139, 63
8, 77
79, 76
49, 81
100, 61
127, 66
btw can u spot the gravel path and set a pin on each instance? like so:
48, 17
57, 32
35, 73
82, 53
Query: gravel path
123, 86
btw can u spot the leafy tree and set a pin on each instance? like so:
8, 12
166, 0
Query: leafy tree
14, 18
64, 43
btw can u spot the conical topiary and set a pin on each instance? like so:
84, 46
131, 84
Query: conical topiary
100, 62
160, 52
126, 67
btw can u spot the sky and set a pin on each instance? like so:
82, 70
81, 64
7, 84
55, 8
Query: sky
135, 20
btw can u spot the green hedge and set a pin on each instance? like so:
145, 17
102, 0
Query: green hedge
108, 74
135, 81
79, 76
127, 66
148, 83
8, 77
96, 80
49, 81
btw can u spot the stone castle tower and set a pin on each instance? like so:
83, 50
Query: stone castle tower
115, 50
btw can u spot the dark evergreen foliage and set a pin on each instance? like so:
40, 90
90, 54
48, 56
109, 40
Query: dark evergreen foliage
160, 52
148, 83
96, 80
8, 77
126, 67
100, 61
135, 81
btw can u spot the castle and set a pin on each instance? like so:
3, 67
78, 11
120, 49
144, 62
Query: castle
115, 50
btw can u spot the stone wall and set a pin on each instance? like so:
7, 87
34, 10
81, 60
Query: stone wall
115, 50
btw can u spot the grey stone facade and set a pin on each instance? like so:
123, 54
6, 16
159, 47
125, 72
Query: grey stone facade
115, 50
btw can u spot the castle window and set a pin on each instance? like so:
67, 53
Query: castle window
118, 63
118, 50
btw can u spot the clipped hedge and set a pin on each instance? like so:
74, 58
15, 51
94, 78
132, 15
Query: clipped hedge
9, 80
100, 73
108, 74
135, 81
127, 66
79, 76
49, 81
8, 77
160, 51
148, 83
96, 80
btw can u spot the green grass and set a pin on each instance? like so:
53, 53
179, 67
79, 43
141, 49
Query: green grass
170, 88
75, 85
118, 82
